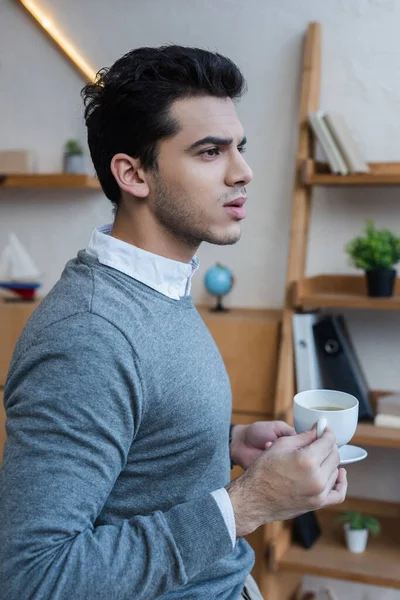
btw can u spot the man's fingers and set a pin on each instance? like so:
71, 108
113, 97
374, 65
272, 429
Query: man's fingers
338, 493
331, 462
283, 429
323, 446
301, 440
332, 481
342, 476
291, 443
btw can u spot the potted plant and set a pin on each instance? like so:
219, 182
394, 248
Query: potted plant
73, 157
356, 529
376, 252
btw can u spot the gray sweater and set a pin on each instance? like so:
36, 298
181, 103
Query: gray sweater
118, 409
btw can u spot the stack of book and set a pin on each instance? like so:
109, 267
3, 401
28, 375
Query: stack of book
388, 411
325, 358
338, 144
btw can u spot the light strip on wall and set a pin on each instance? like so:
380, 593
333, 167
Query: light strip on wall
64, 45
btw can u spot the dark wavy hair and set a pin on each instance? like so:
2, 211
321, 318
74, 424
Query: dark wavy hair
127, 107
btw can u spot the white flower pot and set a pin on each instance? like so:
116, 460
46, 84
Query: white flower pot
74, 163
356, 539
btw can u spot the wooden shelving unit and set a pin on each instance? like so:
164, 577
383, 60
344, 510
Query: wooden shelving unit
50, 180
380, 437
329, 557
381, 174
340, 291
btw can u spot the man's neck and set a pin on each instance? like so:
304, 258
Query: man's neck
143, 232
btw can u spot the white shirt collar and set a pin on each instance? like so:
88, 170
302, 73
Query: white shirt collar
167, 276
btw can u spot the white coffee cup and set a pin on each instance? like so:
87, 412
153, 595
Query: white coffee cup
307, 411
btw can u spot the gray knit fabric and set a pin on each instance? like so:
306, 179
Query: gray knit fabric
118, 409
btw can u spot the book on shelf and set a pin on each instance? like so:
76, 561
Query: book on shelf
346, 143
383, 420
338, 143
307, 369
328, 144
388, 411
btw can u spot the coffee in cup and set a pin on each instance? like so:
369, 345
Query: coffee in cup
328, 408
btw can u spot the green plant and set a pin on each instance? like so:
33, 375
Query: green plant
378, 249
357, 521
73, 147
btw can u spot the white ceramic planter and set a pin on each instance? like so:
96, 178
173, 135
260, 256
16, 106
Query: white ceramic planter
356, 539
74, 163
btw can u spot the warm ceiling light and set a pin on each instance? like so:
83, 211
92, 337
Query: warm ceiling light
60, 40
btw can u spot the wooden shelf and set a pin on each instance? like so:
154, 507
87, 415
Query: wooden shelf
380, 437
381, 174
341, 291
50, 180
329, 557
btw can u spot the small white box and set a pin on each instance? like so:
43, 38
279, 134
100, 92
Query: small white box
15, 162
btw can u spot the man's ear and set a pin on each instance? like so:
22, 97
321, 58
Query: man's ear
129, 175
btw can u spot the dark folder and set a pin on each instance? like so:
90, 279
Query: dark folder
306, 529
339, 364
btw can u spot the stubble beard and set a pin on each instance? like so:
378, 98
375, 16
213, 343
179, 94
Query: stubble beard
186, 224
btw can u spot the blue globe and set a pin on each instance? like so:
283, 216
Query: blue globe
219, 281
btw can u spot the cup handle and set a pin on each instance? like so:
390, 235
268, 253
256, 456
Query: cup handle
321, 425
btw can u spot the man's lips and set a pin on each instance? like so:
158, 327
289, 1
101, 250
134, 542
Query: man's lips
236, 208
237, 202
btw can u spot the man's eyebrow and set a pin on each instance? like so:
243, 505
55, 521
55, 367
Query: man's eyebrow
217, 141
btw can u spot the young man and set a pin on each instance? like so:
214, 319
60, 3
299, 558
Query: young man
116, 474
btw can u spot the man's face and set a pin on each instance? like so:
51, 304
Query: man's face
197, 177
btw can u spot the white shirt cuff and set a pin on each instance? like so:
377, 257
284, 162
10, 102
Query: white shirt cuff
221, 497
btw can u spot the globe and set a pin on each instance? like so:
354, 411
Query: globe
219, 281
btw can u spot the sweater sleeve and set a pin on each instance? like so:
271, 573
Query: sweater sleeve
74, 403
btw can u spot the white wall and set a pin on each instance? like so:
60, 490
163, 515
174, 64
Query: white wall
40, 108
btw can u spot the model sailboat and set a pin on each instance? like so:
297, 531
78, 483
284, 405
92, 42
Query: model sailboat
18, 272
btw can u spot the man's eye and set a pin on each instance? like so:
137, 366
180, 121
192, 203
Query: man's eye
242, 149
210, 153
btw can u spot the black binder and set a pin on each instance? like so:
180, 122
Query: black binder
306, 529
339, 364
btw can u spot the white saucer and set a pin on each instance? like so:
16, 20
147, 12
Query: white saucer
349, 454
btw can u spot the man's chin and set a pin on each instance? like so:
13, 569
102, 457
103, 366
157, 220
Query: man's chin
225, 239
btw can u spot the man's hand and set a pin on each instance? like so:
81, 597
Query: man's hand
295, 475
250, 441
